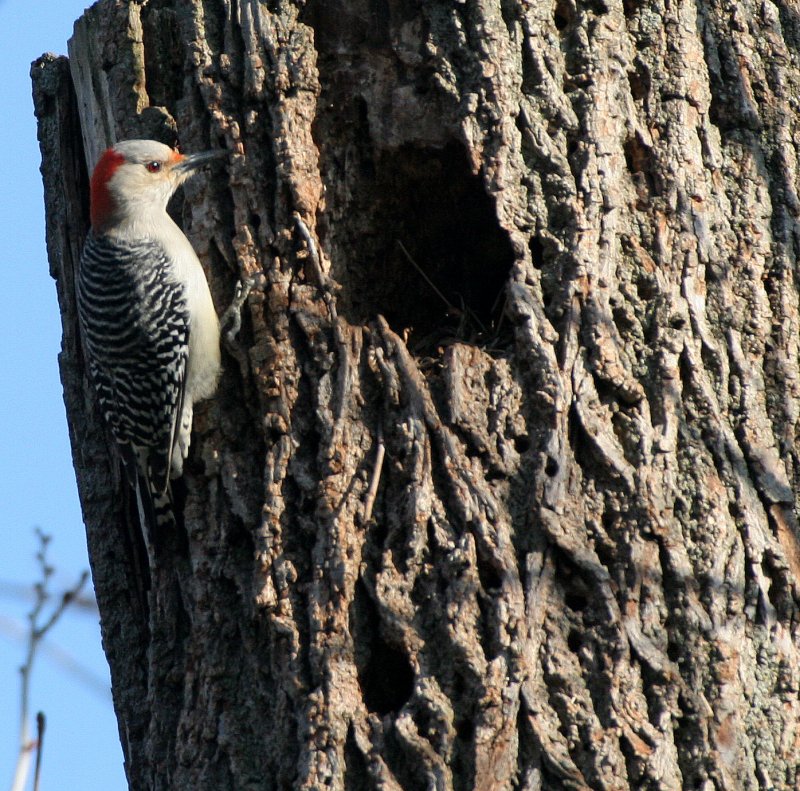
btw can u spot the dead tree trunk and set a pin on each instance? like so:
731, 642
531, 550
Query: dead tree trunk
500, 487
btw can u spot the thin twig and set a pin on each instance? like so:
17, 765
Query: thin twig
15, 632
380, 452
427, 279
18, 590
40, 723
502, 315
35, 635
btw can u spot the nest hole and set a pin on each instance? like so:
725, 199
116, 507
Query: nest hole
440, 268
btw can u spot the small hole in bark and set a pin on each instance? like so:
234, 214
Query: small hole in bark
551, 467
387, 681
574, 641
465, 730
489, 577
563, 15
598, 7
609, 520
673, 651
522, 444
487, 628
630, 7
575, 600
537, 252
384, 672
776, 593
639, 81
677, 322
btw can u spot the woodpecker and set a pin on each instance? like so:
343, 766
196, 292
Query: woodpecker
150, 330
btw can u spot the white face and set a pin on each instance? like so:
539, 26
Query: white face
133, 181
148, 176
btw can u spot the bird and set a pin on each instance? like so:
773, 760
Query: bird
150, 331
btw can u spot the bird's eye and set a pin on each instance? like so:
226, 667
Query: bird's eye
153, 167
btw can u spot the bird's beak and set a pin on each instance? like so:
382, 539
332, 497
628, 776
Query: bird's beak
192, 162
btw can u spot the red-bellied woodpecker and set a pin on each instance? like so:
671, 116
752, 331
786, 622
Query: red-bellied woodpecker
150, 331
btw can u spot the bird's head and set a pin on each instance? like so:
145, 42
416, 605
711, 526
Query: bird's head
136, 178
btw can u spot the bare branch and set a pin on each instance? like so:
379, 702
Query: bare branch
36, 633
40, 725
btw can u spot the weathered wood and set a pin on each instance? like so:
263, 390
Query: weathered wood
539, 259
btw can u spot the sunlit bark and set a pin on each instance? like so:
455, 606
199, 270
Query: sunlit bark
499, 489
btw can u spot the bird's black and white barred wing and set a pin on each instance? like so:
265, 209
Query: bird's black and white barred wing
135, 325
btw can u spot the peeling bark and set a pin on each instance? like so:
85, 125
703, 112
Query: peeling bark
500, 487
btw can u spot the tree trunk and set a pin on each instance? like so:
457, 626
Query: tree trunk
499, 489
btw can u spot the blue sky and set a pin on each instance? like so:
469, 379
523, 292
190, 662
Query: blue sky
37, 484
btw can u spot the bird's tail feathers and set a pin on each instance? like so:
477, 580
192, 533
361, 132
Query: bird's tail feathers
150, 482
156, 510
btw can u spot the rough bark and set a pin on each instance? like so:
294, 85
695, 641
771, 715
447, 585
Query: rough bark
500, 487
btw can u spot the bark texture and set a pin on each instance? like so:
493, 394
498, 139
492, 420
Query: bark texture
500, 487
